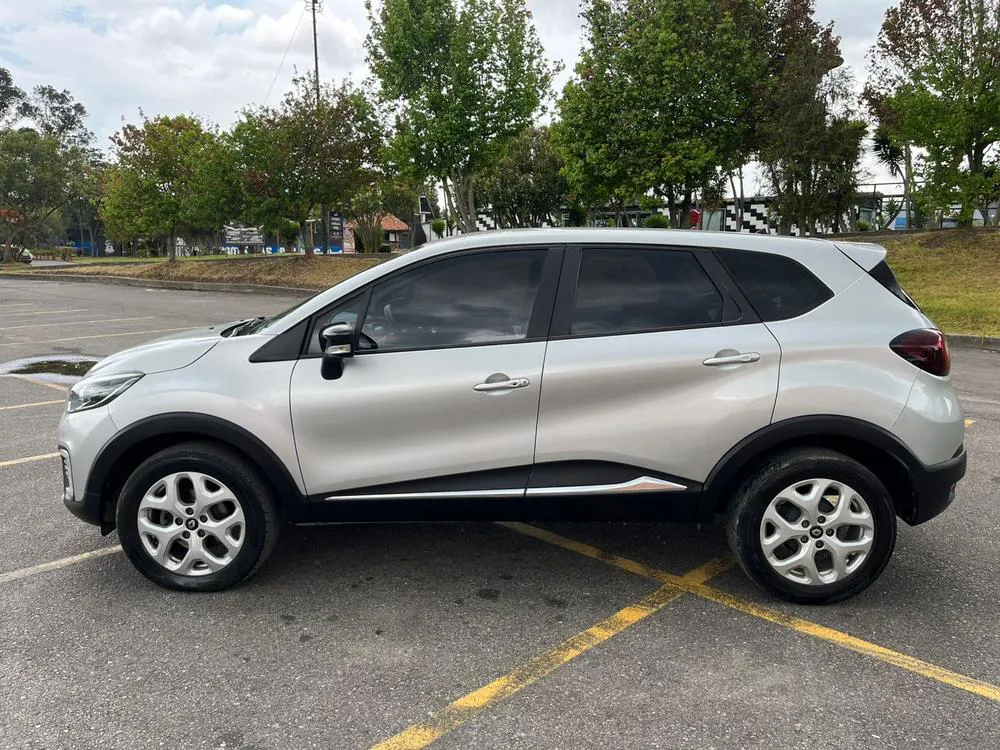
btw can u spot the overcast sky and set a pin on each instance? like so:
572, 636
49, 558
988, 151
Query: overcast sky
212, 58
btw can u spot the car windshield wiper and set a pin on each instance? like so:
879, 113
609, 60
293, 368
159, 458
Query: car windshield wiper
241, 327
250, 326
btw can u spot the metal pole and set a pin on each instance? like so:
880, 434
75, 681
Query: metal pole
314, 6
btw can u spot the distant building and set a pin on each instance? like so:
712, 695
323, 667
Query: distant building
392, 230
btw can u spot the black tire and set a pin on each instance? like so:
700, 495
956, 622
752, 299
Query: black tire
228, 467
747, 510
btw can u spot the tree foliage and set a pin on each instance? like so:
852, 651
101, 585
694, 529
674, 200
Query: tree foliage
43, 157
171, 178
464, 78
294, 158
935, 82
809, 140
526, 188
662, 100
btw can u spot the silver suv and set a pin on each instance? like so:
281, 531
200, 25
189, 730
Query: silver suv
587, 374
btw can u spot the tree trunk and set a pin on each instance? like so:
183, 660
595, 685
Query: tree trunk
449, 200
465, 202
172, 247
685, 217
306, 235
470, 206
671, 207
908, 183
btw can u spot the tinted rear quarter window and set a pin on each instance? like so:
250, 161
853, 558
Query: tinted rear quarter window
884, 276
777, 287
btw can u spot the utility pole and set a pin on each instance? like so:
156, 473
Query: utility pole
316, 6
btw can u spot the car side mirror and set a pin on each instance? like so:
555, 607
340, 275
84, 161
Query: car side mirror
337, 341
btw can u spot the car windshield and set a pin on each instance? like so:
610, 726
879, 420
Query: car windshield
260, 324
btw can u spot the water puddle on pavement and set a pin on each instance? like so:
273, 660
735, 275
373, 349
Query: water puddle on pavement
63, 370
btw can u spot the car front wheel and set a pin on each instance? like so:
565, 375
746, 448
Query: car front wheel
812, 526
197, 517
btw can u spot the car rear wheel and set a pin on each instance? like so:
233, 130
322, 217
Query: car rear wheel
812, 526
197, 517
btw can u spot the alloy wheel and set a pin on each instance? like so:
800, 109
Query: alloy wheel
191, 524
817, 532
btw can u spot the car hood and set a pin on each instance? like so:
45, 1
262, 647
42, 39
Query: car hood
168, 353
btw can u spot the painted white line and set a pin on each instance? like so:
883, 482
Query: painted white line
19, 304
78, 322
47, 312
16, 575
33, 381
101, 336
36, 403
28, 460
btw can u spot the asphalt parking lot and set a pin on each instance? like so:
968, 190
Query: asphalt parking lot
468, 635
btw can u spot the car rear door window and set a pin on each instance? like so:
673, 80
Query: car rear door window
479, 298
630, 290
777, 287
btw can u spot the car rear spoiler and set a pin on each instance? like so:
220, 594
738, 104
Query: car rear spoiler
865, 254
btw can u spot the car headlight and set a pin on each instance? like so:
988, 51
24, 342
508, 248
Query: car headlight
99, 390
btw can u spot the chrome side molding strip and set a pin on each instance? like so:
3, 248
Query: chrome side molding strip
639, 484
432, 495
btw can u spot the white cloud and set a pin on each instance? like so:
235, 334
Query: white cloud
213, 58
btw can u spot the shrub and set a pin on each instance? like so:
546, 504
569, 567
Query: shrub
864, 226
657, 221
438, 226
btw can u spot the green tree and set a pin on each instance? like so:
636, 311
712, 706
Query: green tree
896, 158
292, 159
167, 182
662, 100
464, 78
38, 176
592, 134
385, 196
43, 158
809, 141
526, 188
936, 71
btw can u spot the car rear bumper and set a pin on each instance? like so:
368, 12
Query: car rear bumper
934, 487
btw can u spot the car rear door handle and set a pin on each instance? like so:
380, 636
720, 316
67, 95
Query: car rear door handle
732, 359
502, 385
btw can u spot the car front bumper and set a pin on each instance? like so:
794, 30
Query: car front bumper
81, 437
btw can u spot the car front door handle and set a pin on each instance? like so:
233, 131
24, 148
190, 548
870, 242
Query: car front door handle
501, 385
743, 358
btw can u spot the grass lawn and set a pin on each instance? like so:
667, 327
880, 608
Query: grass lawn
954, 275
317, 272
122, 260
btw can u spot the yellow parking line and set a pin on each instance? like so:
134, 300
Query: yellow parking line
44, 312
969, 422
100, 336
15, 575
36, 403
28, 460
798, 624
469, 706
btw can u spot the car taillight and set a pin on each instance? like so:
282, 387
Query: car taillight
926, 348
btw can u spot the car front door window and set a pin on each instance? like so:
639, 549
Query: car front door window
475, 299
